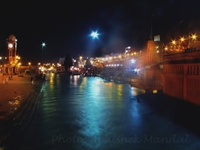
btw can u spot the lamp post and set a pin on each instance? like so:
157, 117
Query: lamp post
43, 45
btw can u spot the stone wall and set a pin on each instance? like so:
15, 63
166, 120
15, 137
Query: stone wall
181, 76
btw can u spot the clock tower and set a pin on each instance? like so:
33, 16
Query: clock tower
12, 48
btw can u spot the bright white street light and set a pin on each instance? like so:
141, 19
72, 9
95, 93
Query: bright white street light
94, 34
43, 45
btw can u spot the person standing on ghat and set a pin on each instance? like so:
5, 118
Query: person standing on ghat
4, 78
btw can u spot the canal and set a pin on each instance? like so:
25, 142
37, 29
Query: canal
90, 113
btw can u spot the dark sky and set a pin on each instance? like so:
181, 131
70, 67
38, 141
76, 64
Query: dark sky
65, 26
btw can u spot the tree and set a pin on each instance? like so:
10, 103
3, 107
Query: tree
68, 62
88, 63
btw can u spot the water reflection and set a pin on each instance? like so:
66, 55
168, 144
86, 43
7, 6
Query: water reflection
74, 79
98, 117
136, 91
119, 91
96, 114
51, 78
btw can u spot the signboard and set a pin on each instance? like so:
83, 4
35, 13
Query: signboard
157, 38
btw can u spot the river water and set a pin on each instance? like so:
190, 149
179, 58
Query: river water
90, 113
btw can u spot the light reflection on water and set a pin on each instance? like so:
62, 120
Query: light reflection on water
94, 109
96, 113
136, 91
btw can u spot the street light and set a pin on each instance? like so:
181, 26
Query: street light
94, 34
43, 45
127, 49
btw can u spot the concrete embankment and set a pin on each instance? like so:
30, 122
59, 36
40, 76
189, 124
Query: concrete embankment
19, 98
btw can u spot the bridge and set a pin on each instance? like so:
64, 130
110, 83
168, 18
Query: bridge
148, 79
146, 73
176, 74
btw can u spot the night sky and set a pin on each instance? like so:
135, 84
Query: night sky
65, 26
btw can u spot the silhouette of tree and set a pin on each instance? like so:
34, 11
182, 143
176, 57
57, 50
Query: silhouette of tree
68, 62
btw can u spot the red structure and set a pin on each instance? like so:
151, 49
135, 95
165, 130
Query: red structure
12, 48
181, 75
149, 76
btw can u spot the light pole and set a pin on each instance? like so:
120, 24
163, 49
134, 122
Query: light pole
43, 45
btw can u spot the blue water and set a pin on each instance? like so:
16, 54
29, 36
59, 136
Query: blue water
89, 113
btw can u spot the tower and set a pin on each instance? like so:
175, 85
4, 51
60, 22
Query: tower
11, 67
12, 48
